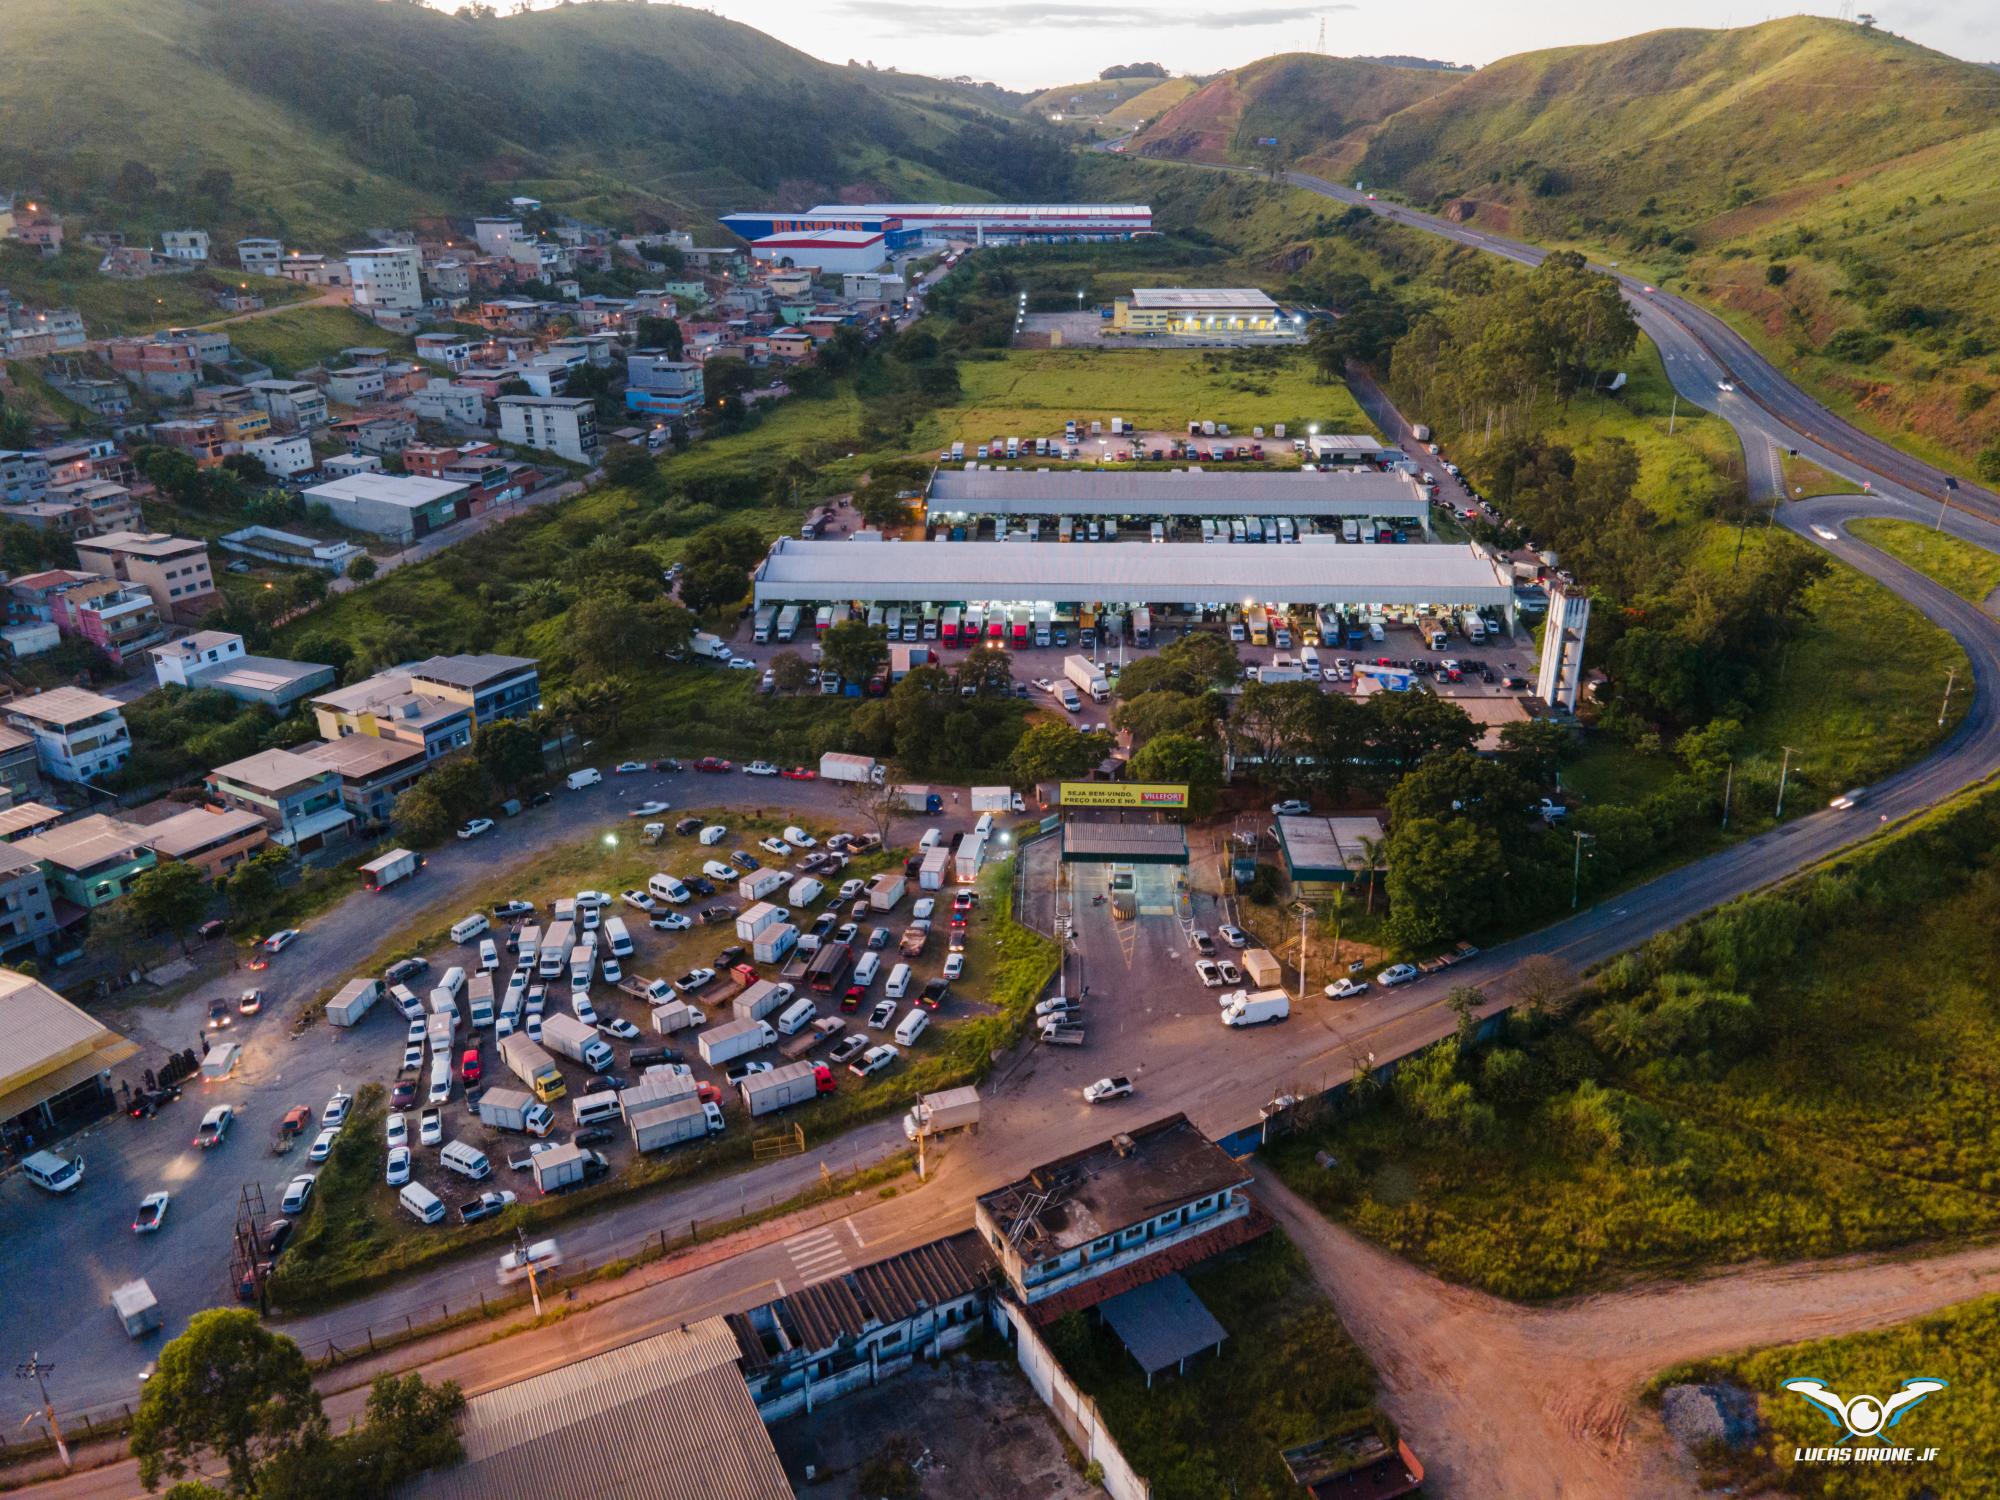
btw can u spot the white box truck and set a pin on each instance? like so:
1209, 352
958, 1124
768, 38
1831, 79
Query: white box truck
756, 886
949, 1109
479, 1000
1254, 1007
676, 1015
774, 942
995, 799
355, 999
1082, 671
569, 1037
785, 1085
971, 859
753, 921
834, 766
936, 866
734, 1039
515, 1109
758, 1000
397, 864
658, 1126
886, 890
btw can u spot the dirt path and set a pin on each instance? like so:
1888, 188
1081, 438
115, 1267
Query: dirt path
1500, 1399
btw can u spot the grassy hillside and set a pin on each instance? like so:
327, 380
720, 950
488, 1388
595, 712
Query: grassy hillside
1320, 109
1098, 97
1140, 109
334, 115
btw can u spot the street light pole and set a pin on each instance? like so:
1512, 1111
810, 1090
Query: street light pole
33, 1369
1576, 873
1728, 785
1784, 770
1945, 707
534, 1285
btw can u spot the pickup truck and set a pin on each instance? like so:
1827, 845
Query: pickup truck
652, 991
1444, 961
914, 937
1549, 812
825, 1029
1062, 1033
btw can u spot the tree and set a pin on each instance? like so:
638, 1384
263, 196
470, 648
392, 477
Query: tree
460, 786
227, 1386
327, 649
790, 672
1537, 748
630, 466
713, 585
1544, 985
419, 817
881, 502
1443, 880
880, 803
661, 333
1053, 751
1181, 758
408, 1427
855, 649
1407, 728
511, 753
172, 896
987, 670
254, 885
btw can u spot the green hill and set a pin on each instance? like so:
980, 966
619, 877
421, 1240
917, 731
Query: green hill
332, 115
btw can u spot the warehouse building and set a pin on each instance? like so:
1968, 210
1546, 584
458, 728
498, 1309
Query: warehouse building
1196, 310
906, 225
396, 506
1190, 576
959, 495
834, 250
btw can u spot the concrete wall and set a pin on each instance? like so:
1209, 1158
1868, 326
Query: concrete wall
1075, 1411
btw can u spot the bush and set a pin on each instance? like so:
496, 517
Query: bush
1856, 346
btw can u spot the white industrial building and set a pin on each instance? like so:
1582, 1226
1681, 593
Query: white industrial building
867, 571
1191, 494
831, 250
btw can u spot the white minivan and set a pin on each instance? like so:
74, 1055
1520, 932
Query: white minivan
465, 929
866, 968
899, 981
912, 1026
489, 956
668, 888
425, 1206
797, 1017
588, 776
467, 1161
440, 1077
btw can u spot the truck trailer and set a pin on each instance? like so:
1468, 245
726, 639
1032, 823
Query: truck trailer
834, 766
1082, 672
569, 1037
356, 998
397, 864
734, 1039
672, 1122
785, 1085
949, 1109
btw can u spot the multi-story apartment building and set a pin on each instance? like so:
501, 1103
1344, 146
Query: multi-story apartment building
293, 405
660, 385
563, 425
27, 911
173, 570
260, 257
117, 618
387, 279
78, 735
298, 799
434, 704
92, 861
373, 770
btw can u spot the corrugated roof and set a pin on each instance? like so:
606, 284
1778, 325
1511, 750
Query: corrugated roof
1162, 1322
63, 705
270, 770
1198, 492
1233, 298
45, 1033
199, 828
664, 1417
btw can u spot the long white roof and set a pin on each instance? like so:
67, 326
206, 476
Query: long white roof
1174, 492
1127, 573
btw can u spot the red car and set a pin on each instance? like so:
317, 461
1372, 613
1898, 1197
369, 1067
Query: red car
800, 773
468, 1065
714, 763
854, 996
403, 1095
823, 1082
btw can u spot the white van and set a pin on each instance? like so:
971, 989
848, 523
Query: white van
467, 1161
620, 939
440, 1077
866, 968
668, 888
913, 1026
588, 776
52, 1173
930, 839
593, 1109
797, 1017
453, 983
405, 999
465, 929
489, 956
899, 982
425, 1206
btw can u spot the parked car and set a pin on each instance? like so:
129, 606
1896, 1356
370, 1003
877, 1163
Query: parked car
620, 1028
775, 846
322, 1146
510, 909
880, 1017
1106, 1089
403, 1095
337, 1106
1396, 974
1233, 935
430, 1126
1230, 973
760, 768
1291, 807
630, 768
745, 862
1345, 989
798, 838
396, 1130
954, 964
693, 980
639, 901
397, 1171
409, 968
218, 1015
485, 1206
873, 1060
740, 1071
476, 827
714, 763
670, 921
848, 1047
298, 1192
715, 869
1208, 973
800, 773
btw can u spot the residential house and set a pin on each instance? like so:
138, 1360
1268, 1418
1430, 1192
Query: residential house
293, 405
1097, 1223
87, 508
390, 505
27, 907
24, 477
117, 618
173, 570
78, 734
514, 314
373, 771
386, 279
168, 370
347, 465
216, 659
314, 270
448, 402
452, 350
291, 549
563, 425
660, 385
435, 703
298, 799
100, 397
92, 861
24, 818
200, 438
241, 427
30, 638
383, 430
261, 257
40, 230
32, 596
428, 461
495, 233
189, 246
215, 840
357, 385
20, 768
492, 686
856, 1328
450, 280
282, 457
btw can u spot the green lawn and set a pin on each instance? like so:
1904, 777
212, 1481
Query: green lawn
1967, 569
1962, 1422
1287, 1374
301, 337
1845, 1109
113, 307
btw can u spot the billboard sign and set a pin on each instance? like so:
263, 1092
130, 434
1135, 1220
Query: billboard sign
1144, 795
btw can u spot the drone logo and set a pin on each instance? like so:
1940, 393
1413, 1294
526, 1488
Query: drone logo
1864, 1416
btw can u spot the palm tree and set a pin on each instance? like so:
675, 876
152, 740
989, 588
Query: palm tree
1371, 851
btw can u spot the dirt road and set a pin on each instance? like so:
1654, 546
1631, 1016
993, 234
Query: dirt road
1499, 1399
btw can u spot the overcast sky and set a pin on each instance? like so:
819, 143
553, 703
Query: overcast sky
1034, 44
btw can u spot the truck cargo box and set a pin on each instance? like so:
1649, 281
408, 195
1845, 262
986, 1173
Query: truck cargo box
354, 1000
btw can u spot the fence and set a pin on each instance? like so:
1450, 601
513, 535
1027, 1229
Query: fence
1074, 1411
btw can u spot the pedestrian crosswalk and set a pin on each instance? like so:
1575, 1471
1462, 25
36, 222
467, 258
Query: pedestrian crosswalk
818, 1253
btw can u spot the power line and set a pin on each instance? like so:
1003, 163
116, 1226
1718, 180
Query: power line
32, 1368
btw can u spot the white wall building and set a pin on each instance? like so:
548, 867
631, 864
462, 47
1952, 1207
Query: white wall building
190, 245
563, 425
386, 280
78, 735
282, 457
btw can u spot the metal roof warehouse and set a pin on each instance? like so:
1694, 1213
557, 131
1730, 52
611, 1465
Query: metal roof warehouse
1127, 573
1196, 492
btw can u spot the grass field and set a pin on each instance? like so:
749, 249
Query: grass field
115, 307
1955, 1346
1287, 1374
1968, 570
301, 337
1842, 1111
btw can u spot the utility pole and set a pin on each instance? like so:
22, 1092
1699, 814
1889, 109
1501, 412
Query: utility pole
1305, 911
1576, 873
918, 1116
1783, 771
1673, 412
1945, 707
1728, 786
534, 1284
34, 1369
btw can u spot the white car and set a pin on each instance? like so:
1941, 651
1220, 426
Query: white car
1233, 935
1208, 973
152, 1213
1345, 989
873, 1060
760, 768
335, 1113
693, 980
1046, 684
1106, 1089
921, 912
670, 921
397, 1128
775, 846
954, 964
715, 833
1057, 1005
1725, 385
476, 827
1825, 534
280, 940
415, 1034
1396, 974
297, 1193
593, 899
430, 1127
413, 1058
398, 1171
798, 838
722, 874
648, 809
621, 1028
742, 664
1230, 973
639, 901
1291, 808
